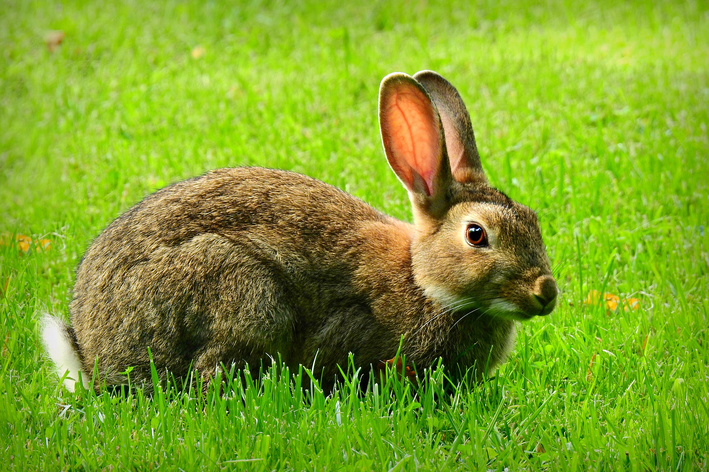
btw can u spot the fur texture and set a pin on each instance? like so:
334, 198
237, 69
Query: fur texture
242, 264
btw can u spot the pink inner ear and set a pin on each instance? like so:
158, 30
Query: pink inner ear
454, 145
413, 139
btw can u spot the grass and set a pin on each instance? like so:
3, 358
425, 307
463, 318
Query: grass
593, 113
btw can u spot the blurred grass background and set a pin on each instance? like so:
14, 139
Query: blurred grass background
593, 113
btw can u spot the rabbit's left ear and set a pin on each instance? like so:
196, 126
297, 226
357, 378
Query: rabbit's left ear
460, 139
411, 134
414, 142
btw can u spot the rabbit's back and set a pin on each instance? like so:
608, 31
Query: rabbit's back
235, 264
293, 208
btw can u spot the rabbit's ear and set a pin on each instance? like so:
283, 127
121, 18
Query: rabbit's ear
460, 139
413, 138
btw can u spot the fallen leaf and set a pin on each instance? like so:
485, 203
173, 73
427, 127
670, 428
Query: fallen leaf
645, 343
4, 345
53, 40
4, 289
197, 52
402, 371
632, 303
611, 301
589, 372
23, 243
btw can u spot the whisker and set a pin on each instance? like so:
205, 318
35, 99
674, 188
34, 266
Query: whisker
463, 317
446, 310
454, 307
486, 312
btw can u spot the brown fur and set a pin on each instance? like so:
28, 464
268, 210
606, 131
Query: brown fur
245, 263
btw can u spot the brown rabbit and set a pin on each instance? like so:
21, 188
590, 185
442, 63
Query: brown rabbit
242, 264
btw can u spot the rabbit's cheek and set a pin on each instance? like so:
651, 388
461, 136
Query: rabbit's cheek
449, 300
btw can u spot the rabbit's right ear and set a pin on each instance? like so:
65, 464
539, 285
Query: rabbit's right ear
460, 139
414, 141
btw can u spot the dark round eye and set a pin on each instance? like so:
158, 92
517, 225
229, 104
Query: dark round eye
476, 235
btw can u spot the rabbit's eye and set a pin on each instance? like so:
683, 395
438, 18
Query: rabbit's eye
476, 236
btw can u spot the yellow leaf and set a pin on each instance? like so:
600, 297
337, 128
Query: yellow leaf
611, 301
43, 244
197, 52
23, 243
632, 303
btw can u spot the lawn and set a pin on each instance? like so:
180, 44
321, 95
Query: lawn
592, 113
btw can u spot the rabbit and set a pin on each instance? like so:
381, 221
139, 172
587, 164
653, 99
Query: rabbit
241, 265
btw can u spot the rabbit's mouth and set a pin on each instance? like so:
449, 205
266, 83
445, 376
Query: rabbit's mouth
462, 307
535, 306
499, 307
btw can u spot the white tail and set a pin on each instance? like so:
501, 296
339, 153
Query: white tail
61, 350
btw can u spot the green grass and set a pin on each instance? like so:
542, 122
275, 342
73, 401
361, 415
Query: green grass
594, 114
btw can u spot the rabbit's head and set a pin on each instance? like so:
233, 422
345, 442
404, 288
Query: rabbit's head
474, 247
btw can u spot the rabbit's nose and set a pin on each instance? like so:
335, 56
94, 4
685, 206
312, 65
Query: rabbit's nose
545, 292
